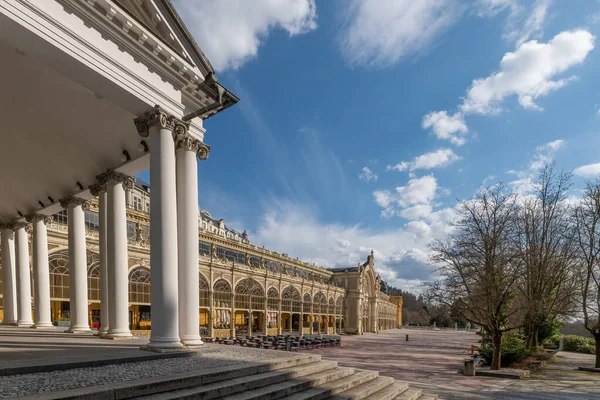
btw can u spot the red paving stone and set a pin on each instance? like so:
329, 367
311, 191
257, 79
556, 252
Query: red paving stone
429, 358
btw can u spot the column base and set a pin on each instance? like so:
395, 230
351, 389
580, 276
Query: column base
78, 329
102, 333
9, 323
118, 336
43, 325
24, 324
163, 343
192, 341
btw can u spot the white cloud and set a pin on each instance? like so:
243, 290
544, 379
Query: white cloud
378, 33
230, 32
401, 255
543, 155
434, 159
588, 171
522, 22
417, 192
489, 8
367, 175
529, 72
416, 212
448, 127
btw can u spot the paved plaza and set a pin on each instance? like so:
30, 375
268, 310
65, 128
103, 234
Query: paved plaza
430, 360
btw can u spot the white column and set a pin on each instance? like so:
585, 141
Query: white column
23, 278
41, 272
163, 229
117, 260
77, 264
187, 239
100, 191
9, 284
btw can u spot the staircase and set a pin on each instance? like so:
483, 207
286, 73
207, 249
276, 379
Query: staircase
300, 378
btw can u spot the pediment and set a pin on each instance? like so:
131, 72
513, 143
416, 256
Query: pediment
161, 18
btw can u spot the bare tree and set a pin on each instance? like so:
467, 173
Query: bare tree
587, 216
480, 265
547, 247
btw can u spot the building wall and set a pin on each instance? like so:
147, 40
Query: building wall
290, 292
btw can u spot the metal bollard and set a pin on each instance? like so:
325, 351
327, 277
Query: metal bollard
407, 337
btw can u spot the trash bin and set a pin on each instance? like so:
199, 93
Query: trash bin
469, 369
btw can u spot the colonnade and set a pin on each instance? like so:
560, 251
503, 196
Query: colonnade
173, 254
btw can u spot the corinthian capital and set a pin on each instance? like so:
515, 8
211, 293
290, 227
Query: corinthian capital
7, 225
33, 218
96, 189
156, 117
72, 201
112, 176
21, 225
186, 142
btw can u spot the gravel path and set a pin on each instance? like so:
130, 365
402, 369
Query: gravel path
211, 356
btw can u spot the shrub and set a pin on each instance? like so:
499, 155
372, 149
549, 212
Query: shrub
513, 350
575, 343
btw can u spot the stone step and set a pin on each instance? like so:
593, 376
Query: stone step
390, 392
380, 387
149, 386
283, 389
410, 394
325, 391
221, 389
428, 397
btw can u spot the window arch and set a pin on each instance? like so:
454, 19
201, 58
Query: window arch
203, 289
94, 282
320, 303
291, 301
139, 285
58, 264
222, 294
249, 295
307, 303
222, 304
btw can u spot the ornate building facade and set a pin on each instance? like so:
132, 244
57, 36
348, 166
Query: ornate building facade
243, 289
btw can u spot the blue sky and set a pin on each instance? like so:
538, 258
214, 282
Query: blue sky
362, 122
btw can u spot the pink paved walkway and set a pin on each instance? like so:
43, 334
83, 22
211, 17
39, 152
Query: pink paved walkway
429, 358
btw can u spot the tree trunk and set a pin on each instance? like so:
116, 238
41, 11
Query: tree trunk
597, 339
497, 343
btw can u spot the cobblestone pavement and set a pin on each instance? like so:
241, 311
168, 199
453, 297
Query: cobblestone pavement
430, 360
58, 347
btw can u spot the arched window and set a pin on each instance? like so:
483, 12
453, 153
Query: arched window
249, 295
139, 286
222, 304
307, 303
94, 282
320, 303
331, 309
291, 300
59, 275
339, 305
272, 307
272, 299
93, 263
203, 288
